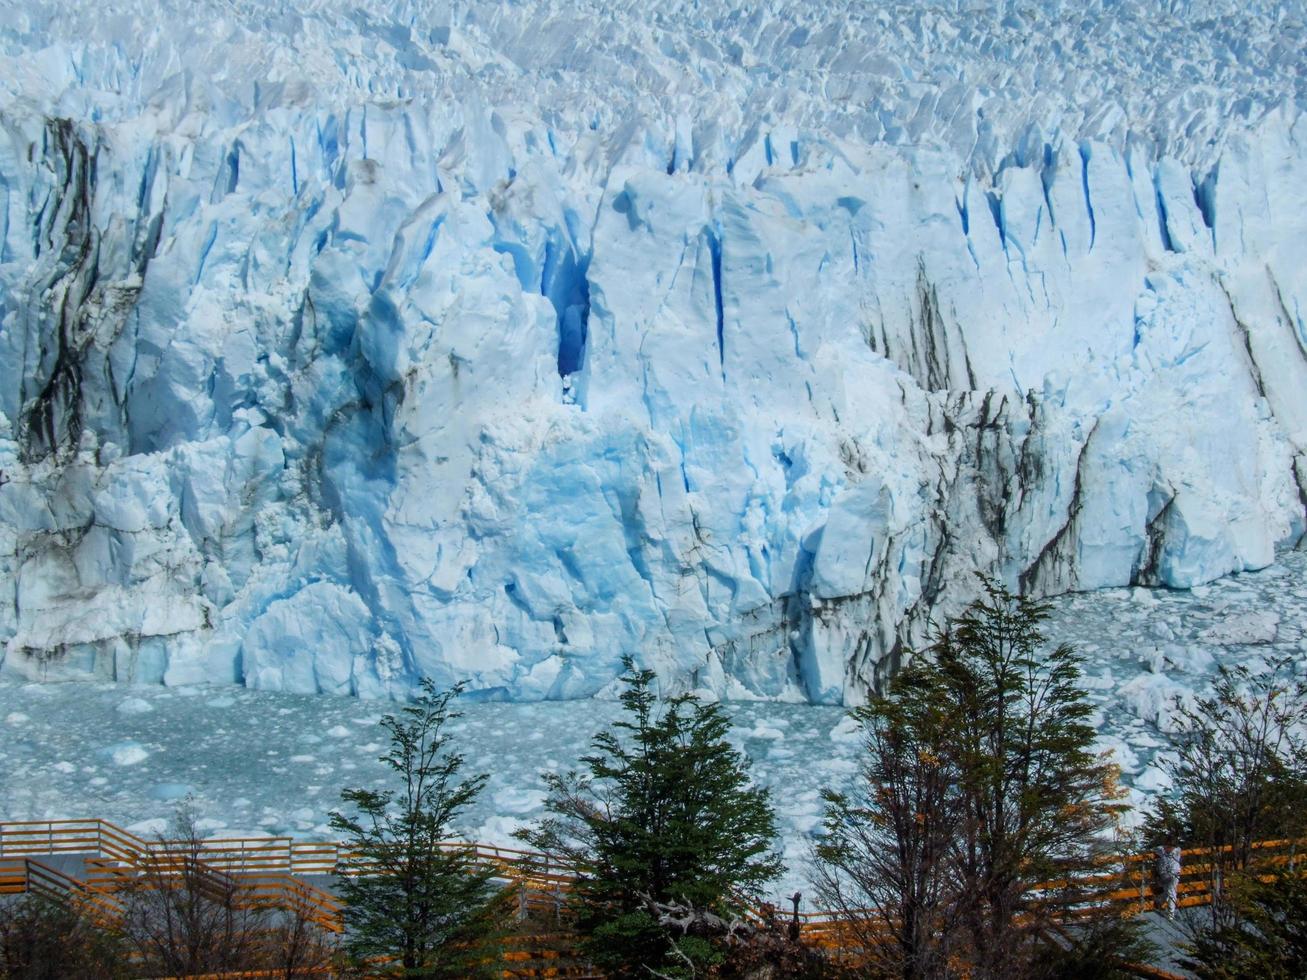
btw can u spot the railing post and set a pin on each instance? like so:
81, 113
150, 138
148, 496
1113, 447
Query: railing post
1143, 885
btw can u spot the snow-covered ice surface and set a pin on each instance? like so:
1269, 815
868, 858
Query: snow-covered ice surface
346, 343
268, 762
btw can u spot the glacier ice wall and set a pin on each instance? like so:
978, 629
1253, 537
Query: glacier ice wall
342, 345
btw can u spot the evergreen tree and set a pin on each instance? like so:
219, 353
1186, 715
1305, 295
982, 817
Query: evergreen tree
664, 813
410, 896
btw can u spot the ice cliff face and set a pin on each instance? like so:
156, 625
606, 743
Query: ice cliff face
344, 345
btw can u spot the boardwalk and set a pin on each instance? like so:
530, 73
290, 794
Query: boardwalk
94, 861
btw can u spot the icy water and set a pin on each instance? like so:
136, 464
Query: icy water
275, 763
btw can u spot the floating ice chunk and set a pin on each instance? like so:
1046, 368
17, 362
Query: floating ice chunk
1243, 628
1153, 698
1189, 658
499, 830
16, 718
152, 827
1102, 681
1153, 780
837, 767
127, 753
518, 800
1154, 657
134, 706
848, 730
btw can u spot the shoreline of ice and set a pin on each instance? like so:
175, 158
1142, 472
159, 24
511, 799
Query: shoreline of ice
258, 762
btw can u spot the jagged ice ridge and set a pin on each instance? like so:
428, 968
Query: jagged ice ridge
343, 345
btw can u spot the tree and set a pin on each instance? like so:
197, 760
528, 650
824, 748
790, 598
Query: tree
409, 894
1239, 777
983, 816
1266, 939
887, 864
1040, 804
1240, 773
295, 942
664, 813
45, 939
182, 916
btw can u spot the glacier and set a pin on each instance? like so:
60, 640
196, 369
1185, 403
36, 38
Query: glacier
345, 344
254, 763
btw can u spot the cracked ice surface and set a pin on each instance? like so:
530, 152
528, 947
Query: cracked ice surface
342, 344
274, 763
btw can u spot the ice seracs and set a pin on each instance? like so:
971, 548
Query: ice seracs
348, 346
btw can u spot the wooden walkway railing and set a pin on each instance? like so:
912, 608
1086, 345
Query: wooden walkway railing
270, 871
240, 855
114, 860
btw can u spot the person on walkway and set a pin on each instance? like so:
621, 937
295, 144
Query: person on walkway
1168, 879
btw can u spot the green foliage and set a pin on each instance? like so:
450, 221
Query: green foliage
1037, 800
421, 902
43, 939
1268, 938
979, 784
1096, 950
1241, 771
1240, 777
664, 812
892, 844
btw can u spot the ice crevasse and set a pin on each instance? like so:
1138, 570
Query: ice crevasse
343, 345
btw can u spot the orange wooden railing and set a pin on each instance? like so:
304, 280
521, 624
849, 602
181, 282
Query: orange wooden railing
115, 859
243, 854
270, 870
